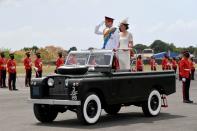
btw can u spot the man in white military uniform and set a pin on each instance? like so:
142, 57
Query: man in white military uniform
110, 34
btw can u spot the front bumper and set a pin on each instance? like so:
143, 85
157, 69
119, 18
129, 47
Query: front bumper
54, 102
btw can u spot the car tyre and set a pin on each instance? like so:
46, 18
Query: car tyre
90, 110
45, 113
152, 107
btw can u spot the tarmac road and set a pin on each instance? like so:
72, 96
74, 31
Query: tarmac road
16, 114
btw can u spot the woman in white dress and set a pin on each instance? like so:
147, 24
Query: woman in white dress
125, 42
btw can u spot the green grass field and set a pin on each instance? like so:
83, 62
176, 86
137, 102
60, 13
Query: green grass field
48, 69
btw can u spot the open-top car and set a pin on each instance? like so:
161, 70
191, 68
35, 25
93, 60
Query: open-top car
89, 82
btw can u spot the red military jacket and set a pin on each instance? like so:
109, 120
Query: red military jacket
185, 68
174, 63
59, 62
11, 65
152, 63
3, 64
169, 64
115, 63
38, 64
164, 63
27, 63
139, 64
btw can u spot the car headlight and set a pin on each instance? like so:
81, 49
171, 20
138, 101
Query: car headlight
66, 82
50, 82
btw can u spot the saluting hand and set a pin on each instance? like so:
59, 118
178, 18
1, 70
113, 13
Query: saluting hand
101, 23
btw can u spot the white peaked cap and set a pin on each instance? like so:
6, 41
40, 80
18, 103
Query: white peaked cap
125, 21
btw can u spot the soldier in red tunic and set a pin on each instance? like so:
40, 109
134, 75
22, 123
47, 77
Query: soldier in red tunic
11, 65
139, 63
28, 67
185, 70
174, 64
38, 65
164, 62
2, 70
59, 62
169, 64
153, 64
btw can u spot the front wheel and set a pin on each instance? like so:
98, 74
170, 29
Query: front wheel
45, 113
152, 107
90, 109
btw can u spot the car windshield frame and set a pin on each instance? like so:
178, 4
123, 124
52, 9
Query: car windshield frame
89, 54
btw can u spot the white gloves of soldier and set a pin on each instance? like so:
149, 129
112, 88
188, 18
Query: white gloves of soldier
96, 30
183, 79
35, 68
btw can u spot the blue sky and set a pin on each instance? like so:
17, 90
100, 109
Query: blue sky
66, 23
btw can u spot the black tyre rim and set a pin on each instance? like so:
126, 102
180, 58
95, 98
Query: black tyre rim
154, 103
92, 108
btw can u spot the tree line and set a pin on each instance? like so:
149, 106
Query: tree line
50, 53
161, 46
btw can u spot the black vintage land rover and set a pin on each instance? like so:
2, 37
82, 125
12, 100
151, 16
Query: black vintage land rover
88, 83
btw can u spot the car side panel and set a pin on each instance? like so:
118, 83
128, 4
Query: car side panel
136, 87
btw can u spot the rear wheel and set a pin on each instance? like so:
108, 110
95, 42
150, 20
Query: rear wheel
112, 109
152, 107
90, 109
45, 113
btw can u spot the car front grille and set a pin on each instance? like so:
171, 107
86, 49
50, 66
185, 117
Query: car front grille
59, 91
